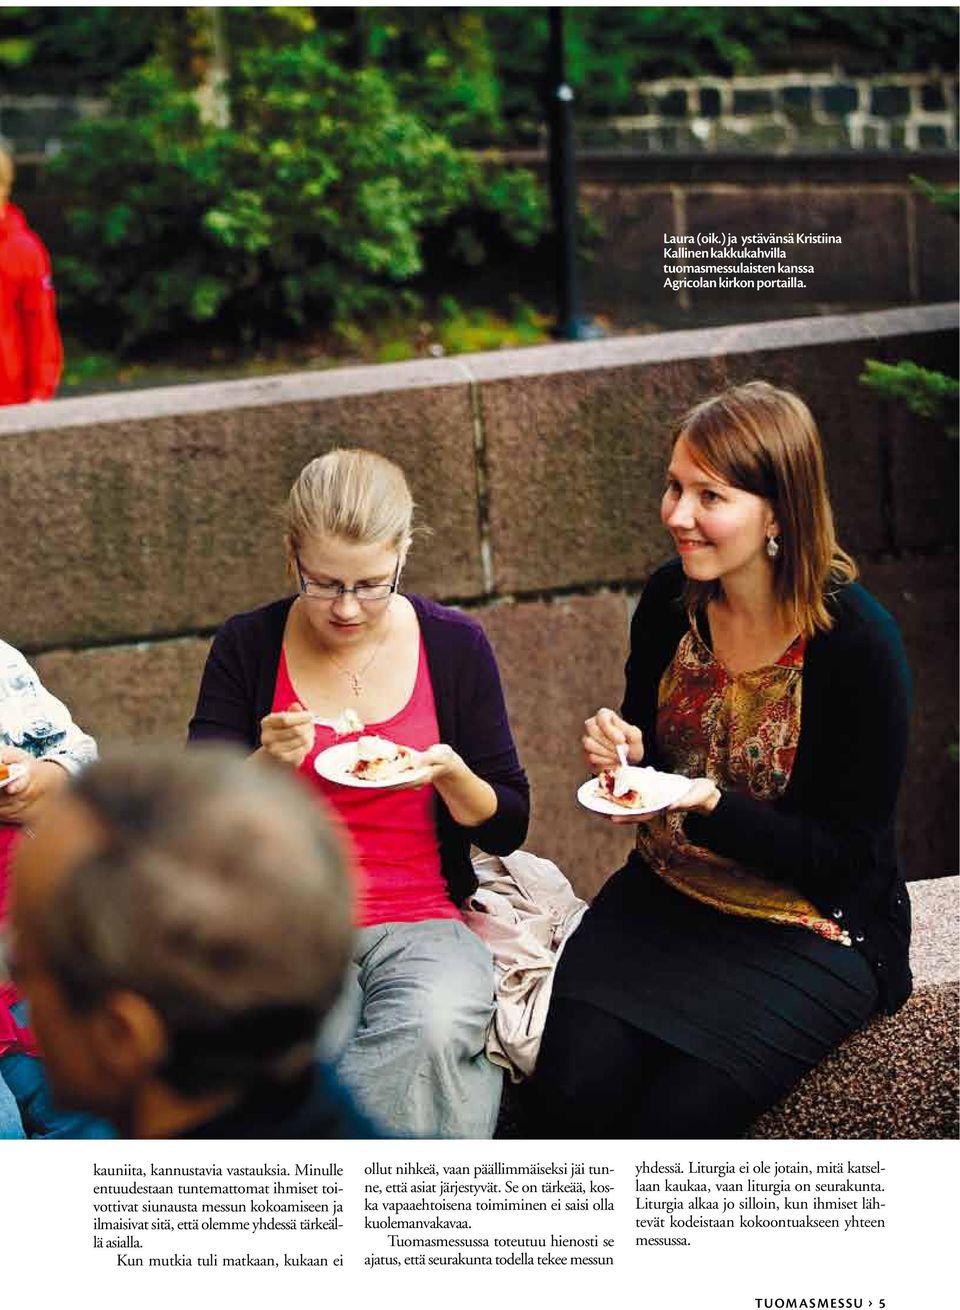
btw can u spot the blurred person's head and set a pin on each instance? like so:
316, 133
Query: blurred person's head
348, 524
6, 177
762, 443
181, 923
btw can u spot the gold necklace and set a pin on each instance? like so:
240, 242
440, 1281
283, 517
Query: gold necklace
356, 686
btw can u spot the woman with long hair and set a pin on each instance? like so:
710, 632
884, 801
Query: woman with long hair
761, 918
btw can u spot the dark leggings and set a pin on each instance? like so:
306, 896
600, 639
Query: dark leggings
597, 1076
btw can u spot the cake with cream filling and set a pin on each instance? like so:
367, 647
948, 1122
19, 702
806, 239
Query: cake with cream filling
624, 786
379, 760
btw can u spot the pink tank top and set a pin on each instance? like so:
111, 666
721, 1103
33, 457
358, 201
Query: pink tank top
394, 833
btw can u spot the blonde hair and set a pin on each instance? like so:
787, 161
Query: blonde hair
764, 440
7, 172
352, 494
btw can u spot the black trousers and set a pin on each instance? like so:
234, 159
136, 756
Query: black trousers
599, 1077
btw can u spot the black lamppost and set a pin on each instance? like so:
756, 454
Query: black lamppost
572, 324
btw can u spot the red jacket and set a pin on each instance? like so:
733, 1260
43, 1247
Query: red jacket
31, 354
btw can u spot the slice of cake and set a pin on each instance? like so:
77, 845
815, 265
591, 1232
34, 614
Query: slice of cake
379, 760
624, 786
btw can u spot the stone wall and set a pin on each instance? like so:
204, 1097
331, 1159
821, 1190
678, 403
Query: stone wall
895, 246
138, 521
788, 112
35, 125
801, 110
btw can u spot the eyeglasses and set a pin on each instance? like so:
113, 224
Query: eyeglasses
365, 592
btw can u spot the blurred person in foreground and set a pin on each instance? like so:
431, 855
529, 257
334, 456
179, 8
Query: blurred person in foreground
180, 925
31, 353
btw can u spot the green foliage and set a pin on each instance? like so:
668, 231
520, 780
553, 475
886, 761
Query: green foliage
927, 393
466, 330
72, 49
613, 51
478, 73
313, 207
442, 62
15, 51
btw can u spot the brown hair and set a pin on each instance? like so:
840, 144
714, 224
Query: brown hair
220, 894
352, 494
764, 440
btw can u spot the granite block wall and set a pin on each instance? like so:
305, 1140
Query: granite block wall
886, 244
788, 111
146, 518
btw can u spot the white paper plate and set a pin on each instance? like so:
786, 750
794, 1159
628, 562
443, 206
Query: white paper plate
665, 788
16, 771
335, 764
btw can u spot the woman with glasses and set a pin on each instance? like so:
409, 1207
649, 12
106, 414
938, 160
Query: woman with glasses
410, 1029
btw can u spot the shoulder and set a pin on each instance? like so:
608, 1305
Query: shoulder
665, 584
457, 646
865, 637
661, 604
446, 624
860, 621
257, 627
27, 252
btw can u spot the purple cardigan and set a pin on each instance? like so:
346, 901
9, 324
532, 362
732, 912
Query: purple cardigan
237, 691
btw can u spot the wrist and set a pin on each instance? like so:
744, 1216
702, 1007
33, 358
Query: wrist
711, 801
51, 775
452, 768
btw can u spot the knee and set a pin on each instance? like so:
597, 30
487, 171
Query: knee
586, 1076
564, 1082
453, 1025
457, 1009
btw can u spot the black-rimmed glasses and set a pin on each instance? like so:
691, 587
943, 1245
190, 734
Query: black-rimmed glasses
365, 592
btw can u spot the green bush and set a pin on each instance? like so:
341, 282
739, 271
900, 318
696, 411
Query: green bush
314, 206
926, 392
478, 73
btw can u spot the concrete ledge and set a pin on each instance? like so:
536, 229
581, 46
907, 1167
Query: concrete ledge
710, 343
533, 361
898, 1077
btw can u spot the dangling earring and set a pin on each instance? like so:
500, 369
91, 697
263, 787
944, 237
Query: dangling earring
773, 547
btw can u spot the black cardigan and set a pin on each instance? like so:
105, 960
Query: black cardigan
240, 678
831, 835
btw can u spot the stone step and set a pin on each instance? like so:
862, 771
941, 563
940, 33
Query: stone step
898, 1077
